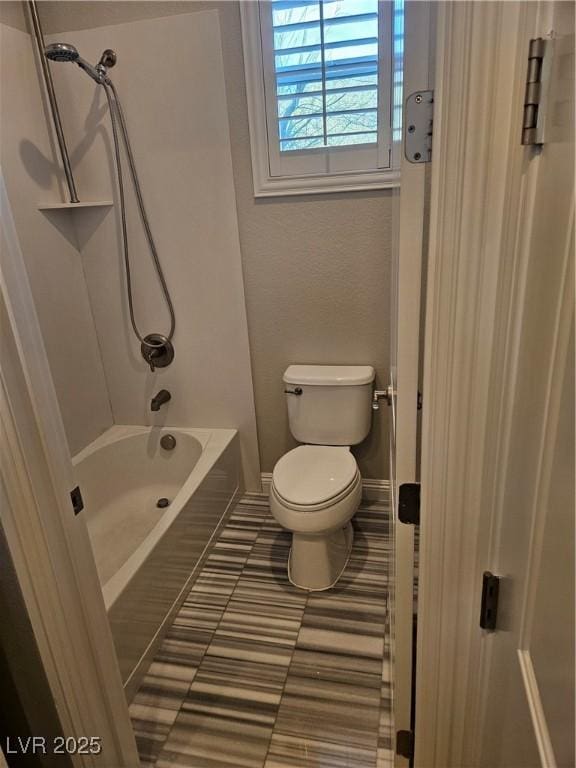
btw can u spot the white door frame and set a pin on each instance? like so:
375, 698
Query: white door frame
479, 188
49, 545
409, 215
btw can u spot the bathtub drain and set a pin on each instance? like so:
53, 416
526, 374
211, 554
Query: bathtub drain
163, 502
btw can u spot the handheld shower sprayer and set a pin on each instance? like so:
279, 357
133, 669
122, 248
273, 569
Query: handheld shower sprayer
156, 348
61, 52
65, 52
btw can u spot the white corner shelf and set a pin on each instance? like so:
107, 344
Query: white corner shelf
74, 206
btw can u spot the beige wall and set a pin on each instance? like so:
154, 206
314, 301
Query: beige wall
316, 268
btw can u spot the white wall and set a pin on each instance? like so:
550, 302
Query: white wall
49, 245
171, 81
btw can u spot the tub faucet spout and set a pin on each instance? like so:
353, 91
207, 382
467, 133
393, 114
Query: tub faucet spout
162, 397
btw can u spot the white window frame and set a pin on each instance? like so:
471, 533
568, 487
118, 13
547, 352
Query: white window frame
303, 169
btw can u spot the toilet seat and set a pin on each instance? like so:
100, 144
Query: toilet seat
311, 508
319, 519
313, 477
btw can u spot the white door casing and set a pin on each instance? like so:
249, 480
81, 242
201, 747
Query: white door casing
49, 545
498, 327
409, 216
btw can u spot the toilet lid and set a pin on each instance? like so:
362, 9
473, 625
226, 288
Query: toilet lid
312, 474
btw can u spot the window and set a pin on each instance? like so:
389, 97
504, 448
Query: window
324, 86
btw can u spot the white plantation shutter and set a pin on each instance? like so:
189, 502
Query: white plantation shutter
327, 71
326, 67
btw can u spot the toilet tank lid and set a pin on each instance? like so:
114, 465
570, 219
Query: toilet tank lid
329, 375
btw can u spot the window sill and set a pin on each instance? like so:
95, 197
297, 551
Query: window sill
282, 186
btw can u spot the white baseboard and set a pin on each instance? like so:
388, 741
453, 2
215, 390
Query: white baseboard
372, 490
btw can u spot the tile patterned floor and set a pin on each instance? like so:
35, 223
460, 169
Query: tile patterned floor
255, 673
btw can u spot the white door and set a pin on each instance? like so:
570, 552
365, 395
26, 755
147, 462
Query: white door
529, 702
405, 353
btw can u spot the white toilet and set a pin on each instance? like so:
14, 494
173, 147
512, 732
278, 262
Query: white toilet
316, 488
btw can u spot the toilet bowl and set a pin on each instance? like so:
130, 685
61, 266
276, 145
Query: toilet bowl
315, 492
316, 487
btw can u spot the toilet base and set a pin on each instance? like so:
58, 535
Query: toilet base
316, 562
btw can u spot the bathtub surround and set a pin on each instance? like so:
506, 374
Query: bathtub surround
147, 554
174, 101
74, 256
49, 245
254, 672
316, 268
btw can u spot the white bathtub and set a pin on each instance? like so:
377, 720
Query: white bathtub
147, 556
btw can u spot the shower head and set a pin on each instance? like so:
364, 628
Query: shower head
67, 52
61, 52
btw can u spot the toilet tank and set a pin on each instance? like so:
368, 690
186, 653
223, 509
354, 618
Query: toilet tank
334, 407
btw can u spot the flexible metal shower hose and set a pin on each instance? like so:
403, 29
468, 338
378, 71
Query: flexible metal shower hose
117, 118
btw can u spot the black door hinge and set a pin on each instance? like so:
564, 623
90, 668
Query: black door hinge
489, 607
409, 503
77, 500
405, 744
